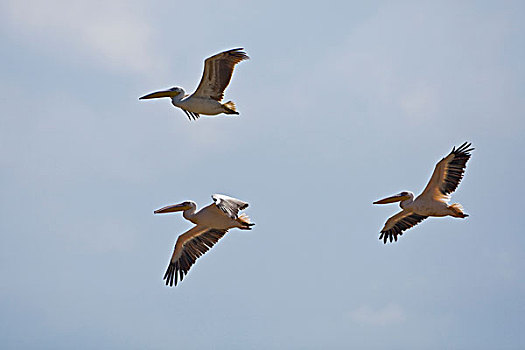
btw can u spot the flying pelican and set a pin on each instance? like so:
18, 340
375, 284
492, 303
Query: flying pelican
207, 98
433, 201
211, 224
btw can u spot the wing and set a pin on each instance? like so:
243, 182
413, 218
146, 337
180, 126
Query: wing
189, 247
448, 173
231, 206
218, 72
191, 115
398, 223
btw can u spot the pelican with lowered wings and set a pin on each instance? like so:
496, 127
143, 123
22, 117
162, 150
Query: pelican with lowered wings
434, 199
211, 224
218, 71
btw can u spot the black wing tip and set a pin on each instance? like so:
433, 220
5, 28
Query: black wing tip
387, 235
172, 272
464, 148
238, 53
169, 275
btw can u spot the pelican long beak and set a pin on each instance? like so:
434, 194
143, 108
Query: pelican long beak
160, 94
392, 199
172, 209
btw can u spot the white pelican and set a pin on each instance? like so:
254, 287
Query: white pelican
212, 223
207, 98
434, 199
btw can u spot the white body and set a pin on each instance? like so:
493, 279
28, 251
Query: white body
211, 216
427, 206
199, 105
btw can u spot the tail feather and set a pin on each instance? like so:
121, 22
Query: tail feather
458, 210
230, 107
244, 220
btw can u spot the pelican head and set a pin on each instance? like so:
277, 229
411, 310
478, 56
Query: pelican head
400, 197
171, 93
177, 207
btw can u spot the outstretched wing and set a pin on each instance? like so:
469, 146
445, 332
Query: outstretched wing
398, 223
231, 206
218, 72
448, 173
189, 247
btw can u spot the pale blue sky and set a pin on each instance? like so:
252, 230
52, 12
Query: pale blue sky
342, 103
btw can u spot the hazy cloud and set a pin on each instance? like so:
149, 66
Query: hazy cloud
415, 66
114, 34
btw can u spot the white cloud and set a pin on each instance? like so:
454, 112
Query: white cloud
390, 314
113, 34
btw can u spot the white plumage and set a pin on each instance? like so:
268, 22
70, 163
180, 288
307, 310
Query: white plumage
433, 201
218, 71
212, 223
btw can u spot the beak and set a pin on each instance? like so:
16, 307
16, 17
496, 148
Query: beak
171, 209
159, 94
392, 199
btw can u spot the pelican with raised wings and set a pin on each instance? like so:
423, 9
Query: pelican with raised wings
433, 201
211, 224
218, 71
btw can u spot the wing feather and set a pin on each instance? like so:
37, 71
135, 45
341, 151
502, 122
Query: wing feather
189, 247
218, 71
191, 115
398, 223
448, 172
229, 205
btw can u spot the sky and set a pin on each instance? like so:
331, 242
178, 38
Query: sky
341, 104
